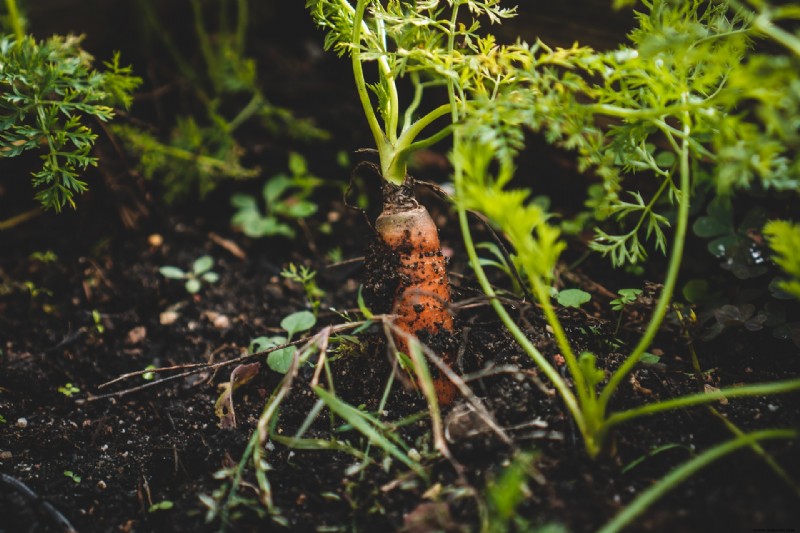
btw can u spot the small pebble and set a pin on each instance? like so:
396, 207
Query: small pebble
22, 423
155, 240
5, 455
168, 317
137, 335
101, 485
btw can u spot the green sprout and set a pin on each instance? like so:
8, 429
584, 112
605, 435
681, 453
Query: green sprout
68, 390
286, 197
201, 273
280, 360
307, 278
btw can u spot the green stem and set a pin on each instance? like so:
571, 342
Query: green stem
361, 84
247, 111
17, 23
681, 473
419, 88
242, 18
669, 283
543, 296
552, 374
205, 44
733, 428
16, 220
765, 26
758, 389
428, 141
186, 70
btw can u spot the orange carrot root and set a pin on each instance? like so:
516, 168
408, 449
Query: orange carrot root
423, 292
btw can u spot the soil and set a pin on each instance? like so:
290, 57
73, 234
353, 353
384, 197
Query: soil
147, 453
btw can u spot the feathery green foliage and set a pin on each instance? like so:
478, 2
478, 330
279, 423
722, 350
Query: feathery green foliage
49, 90
784, 239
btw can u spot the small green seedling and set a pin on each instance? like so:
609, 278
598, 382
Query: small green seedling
626, 297
3, 420
68, 390
307, 278
201, 273
45, 257
72, 475
281, 360
98, 321
285, 198
164, 505
149, 376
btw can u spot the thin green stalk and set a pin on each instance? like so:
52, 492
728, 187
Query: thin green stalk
19, 219
428, 141
416, 128
205, 42
361, 83
757, 389
552, 374
247, 111
681, 473
184, 67
242, 18
733, 428
419, 88
542, 295
669, 283
17, 23
765, 26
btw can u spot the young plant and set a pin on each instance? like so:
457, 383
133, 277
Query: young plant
281, 360
49, 91
307, 278
203, 150
195, 278
679, 83
285, 198
415, 41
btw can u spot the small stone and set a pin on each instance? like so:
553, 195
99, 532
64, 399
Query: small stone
101, 485
5, 455
168, 317
137, 335
155, 240
219, 320
22, 423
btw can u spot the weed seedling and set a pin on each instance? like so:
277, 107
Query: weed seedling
280, 360
73, 476
200, 273
286, 197
307, 278
68, 390
164, 505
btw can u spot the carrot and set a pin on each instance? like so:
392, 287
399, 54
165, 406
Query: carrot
422, 296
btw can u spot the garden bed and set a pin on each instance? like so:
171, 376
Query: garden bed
85, 301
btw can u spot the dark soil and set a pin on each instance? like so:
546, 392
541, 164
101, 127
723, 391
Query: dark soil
103, 459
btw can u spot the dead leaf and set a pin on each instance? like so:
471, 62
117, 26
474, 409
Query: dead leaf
223, 408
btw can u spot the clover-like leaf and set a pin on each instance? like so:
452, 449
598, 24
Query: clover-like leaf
573, 297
